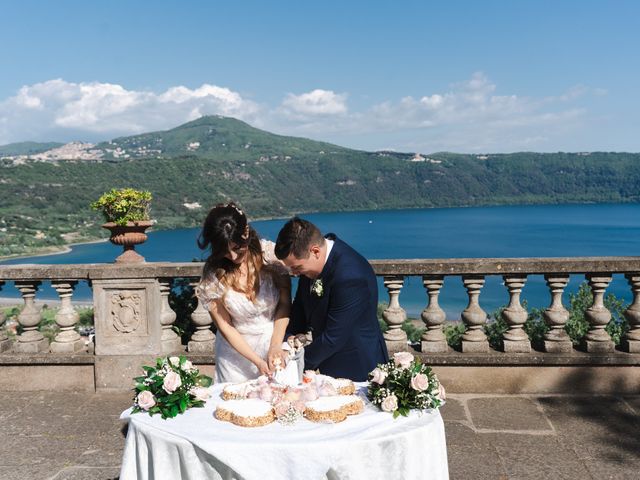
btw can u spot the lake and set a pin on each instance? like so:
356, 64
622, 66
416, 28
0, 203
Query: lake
503, 231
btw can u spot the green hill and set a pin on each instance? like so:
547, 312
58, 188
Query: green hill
213, 137
45, 204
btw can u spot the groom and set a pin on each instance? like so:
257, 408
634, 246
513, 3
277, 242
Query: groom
337, 299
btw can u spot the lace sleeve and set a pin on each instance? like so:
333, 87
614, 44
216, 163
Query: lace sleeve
209, 290
269, 256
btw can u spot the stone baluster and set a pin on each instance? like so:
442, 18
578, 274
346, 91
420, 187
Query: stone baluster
31, 340
515, 340
597, 338
394, 315
631, 340
170, 340
67, 340
556, 340
474, 317
203, 339
5, 343
433, 339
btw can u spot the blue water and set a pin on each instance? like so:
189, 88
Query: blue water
505, 231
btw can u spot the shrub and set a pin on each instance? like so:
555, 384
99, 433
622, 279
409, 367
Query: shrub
124, 205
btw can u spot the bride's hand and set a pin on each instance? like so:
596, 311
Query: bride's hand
263, 368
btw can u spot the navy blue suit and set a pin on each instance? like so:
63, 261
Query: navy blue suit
347, 340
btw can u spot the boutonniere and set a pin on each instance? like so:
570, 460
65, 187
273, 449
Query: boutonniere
317, 287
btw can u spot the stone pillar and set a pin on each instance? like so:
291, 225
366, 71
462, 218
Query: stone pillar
127, 315
67, 340
5, 343
394, 315
170, 340
515, 340
203, 339
433, 339
31, 340
474, 339
631, 340
556, 340
597, 339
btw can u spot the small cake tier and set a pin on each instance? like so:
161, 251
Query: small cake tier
237, 391
246, 413
333, 409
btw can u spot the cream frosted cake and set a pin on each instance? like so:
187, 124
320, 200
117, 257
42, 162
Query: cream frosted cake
333, 409
246, 413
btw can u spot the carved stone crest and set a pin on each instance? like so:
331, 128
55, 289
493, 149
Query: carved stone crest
125, 311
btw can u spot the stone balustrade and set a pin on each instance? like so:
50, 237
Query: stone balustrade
134, 321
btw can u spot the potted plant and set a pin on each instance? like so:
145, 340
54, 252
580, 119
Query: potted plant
126, 212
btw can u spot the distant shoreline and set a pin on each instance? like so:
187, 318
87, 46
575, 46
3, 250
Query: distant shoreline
66, 248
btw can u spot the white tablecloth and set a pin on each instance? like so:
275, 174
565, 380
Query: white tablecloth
369, 446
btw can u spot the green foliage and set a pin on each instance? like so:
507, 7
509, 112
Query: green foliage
453, 333
124, 205
182, 300
577, 326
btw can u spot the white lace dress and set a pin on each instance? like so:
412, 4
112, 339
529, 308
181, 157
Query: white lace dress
254, 320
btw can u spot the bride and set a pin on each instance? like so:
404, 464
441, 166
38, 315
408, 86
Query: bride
247, 291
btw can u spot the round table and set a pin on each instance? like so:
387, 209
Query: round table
371, 445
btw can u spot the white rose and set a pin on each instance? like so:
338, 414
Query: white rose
188, 366
146, 400
378, 376
403, 359
175, 361
420, 382
171, 382
200, 393
390, 403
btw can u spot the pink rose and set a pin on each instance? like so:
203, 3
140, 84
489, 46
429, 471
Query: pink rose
281, 408
442, 395
378, 376
327, 390
200, 393
403, 359
390, 403
310, 393
171, 382
420, 382
146, 400
299, 406
266, 393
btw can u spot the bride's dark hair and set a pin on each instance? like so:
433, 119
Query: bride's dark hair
226, 224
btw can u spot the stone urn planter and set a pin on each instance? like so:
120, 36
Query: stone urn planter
129, 236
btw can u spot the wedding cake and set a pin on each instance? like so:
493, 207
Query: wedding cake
319, 398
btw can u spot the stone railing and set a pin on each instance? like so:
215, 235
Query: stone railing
133, 319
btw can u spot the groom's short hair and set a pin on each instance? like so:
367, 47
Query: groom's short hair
295, 237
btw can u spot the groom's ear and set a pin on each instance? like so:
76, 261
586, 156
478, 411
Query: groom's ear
315, 250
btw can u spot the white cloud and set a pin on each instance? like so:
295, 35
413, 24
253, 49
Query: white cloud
468, 116
316, 102
61, 110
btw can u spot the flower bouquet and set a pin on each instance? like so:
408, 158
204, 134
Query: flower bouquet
170, 388
404, 383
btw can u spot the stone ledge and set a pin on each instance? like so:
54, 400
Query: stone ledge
575, 358
9, 358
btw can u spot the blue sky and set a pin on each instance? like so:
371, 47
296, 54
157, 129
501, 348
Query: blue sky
491, 76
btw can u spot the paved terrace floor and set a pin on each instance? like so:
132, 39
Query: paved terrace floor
48, 435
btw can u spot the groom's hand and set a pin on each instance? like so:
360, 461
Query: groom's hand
277, 357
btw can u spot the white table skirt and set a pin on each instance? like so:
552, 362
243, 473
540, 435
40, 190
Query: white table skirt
369, 446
